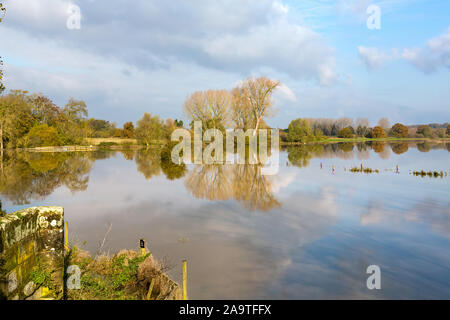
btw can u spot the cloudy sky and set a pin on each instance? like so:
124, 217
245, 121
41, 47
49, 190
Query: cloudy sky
131, 57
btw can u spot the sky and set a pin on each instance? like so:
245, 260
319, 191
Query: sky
126, 58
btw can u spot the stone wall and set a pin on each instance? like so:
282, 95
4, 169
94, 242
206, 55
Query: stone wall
32, 254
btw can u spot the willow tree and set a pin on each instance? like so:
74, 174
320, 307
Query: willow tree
258, 95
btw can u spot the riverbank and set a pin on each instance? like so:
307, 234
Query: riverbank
127, 275
360, 139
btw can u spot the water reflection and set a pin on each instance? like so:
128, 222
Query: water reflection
31, 176
244, 183
304, 233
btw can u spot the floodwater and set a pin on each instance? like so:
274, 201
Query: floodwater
303, 233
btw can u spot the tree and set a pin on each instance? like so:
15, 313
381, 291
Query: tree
378, 132
258, 94
384, 123
15, 117
211, 107
241, 114
44, 110
128, 130
75, 110
179, 123
42, 136
448, 129
362, 127
299, 130
426, 131
399, 130
149, 128
347, 132
72, 124
2, 87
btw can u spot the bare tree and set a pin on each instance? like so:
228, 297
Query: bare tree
259, 95
384, 123
211, 107
240, 109
363, 122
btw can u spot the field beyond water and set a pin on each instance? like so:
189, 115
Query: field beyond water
310, 231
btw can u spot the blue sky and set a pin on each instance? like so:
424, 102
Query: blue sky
147, 56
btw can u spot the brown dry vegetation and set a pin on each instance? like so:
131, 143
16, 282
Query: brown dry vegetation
124, 276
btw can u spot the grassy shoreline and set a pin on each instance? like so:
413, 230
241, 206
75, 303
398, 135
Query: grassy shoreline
123, 144
388, 139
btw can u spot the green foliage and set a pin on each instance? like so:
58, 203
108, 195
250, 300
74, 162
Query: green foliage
170, 169
2, 87
347, 132
179, 123
128, 130
42, 136
2, 212
149, 128
299, 130
378, 132
426, 131
399, 130
106, 145
122, 273
40, 277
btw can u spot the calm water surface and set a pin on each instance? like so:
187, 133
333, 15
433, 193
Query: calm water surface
303, 233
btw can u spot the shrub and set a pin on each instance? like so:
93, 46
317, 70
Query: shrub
378, 132
42, 136
426, 131
399, 130
347, 132
299, 130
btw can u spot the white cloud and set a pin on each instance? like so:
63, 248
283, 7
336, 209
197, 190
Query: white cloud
374, 58
284, 92
434, 55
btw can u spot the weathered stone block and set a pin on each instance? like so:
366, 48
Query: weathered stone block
32, 250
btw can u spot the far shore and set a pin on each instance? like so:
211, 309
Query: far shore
126, 144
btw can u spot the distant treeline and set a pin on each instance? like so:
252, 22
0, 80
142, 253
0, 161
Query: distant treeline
33, 120
307, 129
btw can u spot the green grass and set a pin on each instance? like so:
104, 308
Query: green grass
360, 139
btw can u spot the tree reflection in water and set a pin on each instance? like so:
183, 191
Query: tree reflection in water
31, 176
26, 176
244, 183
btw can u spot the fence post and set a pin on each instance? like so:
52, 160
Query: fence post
142, 245
185, 280
66, 235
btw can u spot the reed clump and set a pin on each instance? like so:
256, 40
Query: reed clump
364, 170
430, 174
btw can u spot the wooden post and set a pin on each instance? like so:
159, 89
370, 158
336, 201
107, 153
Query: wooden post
333, 169
149, 293
66, 235
142, 245
185, 280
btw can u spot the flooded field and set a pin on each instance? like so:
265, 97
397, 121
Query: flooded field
310, 231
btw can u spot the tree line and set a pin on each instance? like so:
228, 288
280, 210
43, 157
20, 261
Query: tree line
33, 120
309, 129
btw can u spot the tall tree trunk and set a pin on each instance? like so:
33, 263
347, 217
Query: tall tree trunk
256, 128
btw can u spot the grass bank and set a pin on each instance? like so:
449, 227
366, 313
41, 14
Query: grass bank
359, 139
127, 275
